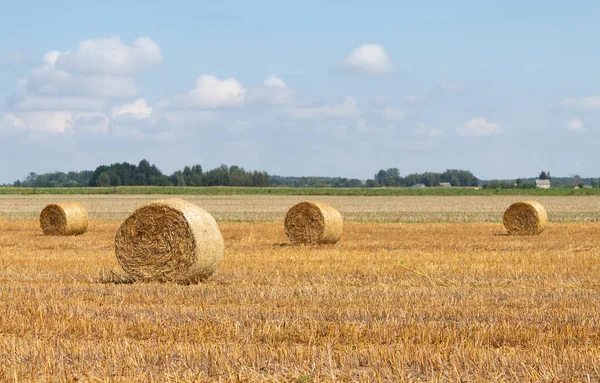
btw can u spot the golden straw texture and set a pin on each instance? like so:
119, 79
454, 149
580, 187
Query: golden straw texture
67, 218
169, 240
313, 222
525, 218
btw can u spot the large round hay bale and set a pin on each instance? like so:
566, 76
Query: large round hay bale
169, 240
525, 218
313, 222
67, 218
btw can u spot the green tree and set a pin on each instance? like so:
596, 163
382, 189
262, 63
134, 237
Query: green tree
104, 179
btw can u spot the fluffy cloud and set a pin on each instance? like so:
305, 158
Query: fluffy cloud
347, 109
55, 122
585, 103
273, 92
210, 92
370, 58
71, 91
479, 127
575, 124
41, 122
273, 81
111, 56
59, 84
49, 81
10, 123
138, 109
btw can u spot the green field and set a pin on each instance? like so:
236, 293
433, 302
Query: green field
223, 190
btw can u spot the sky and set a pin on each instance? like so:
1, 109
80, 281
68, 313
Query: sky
337, 88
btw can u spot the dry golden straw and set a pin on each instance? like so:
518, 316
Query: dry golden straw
313, 222
525, 218
67, 218
169, 240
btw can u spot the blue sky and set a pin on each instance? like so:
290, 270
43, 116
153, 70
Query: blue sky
338, 88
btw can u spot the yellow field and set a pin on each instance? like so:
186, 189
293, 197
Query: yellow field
390, 302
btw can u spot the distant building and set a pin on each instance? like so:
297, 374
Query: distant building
542, 184
445, 184
418, 186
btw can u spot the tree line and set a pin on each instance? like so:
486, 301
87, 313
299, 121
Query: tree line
145, 174
391, 177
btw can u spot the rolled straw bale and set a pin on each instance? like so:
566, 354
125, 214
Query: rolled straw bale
169, 240
67, 218
525, 218
313, 222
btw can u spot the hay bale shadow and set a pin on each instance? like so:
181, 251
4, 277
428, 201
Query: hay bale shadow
115, 278
282, 245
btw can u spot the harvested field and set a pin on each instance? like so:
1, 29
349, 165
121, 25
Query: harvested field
360, 209
390, 302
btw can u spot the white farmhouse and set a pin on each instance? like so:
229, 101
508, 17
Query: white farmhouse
542, 184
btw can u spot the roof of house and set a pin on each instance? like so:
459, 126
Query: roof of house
418, 186
542, 182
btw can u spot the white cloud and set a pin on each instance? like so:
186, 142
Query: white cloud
585, 103
10, 123
274, 92
347, 109
210, 92
273, 81
138, 109
54, 122
575, 124
49, 81
43, 122
479, 127
110, 56
69, 91
370, 58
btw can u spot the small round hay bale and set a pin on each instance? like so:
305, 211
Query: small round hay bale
67, 218
313, 222
525, 218
169, 240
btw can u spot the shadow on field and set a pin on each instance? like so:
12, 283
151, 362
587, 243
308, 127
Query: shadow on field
282, 245
116, 278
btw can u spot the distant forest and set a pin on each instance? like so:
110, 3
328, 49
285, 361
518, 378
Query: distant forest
146, 174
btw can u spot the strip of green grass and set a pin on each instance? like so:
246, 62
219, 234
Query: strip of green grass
219, 190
